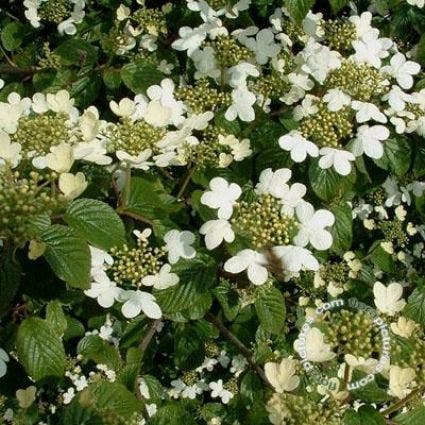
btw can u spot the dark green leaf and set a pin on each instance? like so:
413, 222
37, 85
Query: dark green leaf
396, 156
342, 229
270, 308
298, 9
139, 76
12, 35
415, 307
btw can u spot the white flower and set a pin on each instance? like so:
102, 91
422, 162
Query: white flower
68, 395
388, 299
162, 280
263, 45
179, 245
205, 63
104, 290
125, 108
242, 101
402, 70
371, 49
216, 231
251, 261
9, 152
238, 74
93, 151
72, 185
404, 327
140, 161
273, 182
336, 158
312, 227
296, 258
60, 158
4, 358
418, 3
369, 141
336, 99
190, 39
299, 147
26, 397
222, 196
363, 24
400, 378
367, 111
217, 390
291, 198
397, 98
165, 67
314, 347
240, 149
308, 107
137, 301
282, 375
319, 60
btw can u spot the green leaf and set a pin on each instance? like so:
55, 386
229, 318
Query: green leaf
270, 308
419, 162
196, 278
112, 78
68, 255
415, 307
55, 317
328, 184
77, 52
12, 35
189, 348
228, 299
370, 393
337, 5
380, 258
97, 222
366, 415
298, 9
412, 417
94, 348
40, 349
138, 76
110, 396
174, 413
342, 229
396, 156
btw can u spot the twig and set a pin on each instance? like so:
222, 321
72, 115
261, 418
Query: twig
144, 343
399, 404
8, 60
245, 351
186, 181
135, 216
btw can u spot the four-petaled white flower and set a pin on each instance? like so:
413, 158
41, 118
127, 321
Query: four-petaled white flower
72, 185
299, 147
282, 375
216, 231
273, 182
336, 158
369, 141
251, 261
263, 45
296, 258
104, 290
371, 49
163, 279
242, 101
367, 111
400, 379
222, 196
336, 99
402, 70
312, 227
217, 390
388, 299
9, 151
138, 301
313, 347
178, 245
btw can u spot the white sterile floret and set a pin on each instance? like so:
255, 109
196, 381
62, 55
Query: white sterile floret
242, 101
417, 3
397, 98
362, 24
136, 301
104, 290
72, 185
190, 39
140, 161
371, 49
205, 63
369, 141
163, 279
237, 75
400, 380
273, 182
222, 196
299, 146
9, 151
291, 198
296, 258
308, 107
312, 226
336, 99
217, 390
314, 348
216, 231
402, 70
282, 375
251, 261
388, 299
336, 158
263, 45
179, 245
367, 111
4, 358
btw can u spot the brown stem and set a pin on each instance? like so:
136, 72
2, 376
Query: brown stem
186, 181
242, 348
9, 69
134, 216
399, 404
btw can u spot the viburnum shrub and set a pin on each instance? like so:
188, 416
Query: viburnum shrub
212, 212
